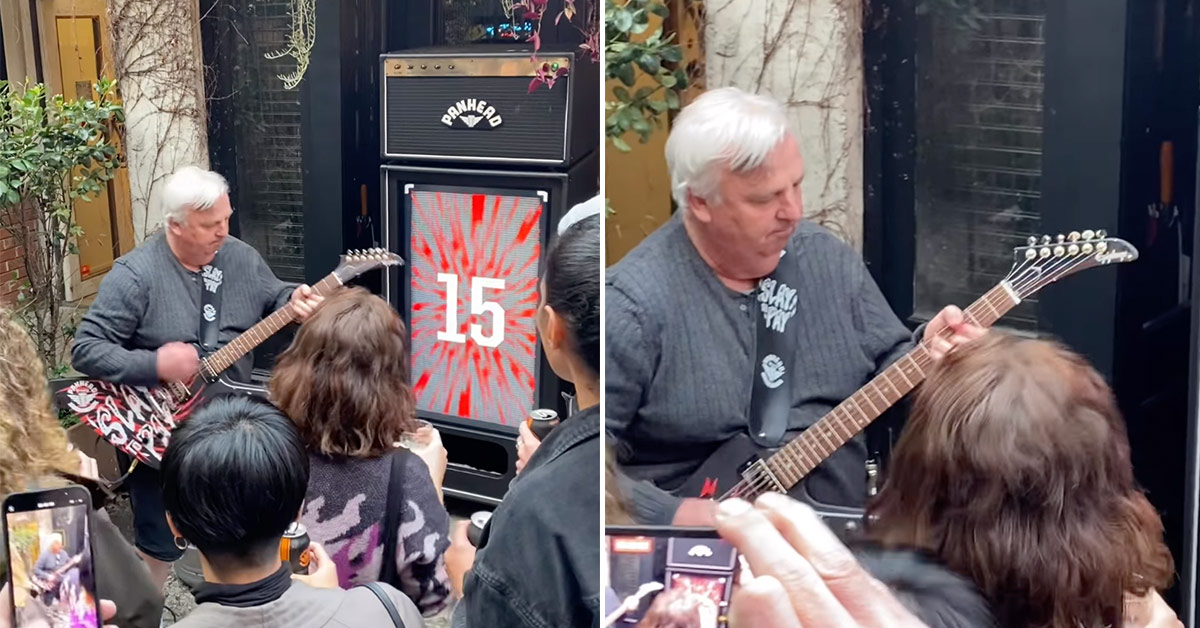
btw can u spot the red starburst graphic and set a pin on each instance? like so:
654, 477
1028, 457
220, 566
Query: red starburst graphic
474, 302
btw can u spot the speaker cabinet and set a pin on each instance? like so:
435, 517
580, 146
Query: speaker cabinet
473, 242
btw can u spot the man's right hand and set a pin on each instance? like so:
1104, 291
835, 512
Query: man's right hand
177, 362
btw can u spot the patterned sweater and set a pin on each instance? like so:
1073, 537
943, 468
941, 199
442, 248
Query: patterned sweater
344, 511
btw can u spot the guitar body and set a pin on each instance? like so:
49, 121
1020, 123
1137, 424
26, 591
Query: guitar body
138, 420
723, 469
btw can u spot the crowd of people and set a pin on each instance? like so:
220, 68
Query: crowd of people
1009, 498
330, 446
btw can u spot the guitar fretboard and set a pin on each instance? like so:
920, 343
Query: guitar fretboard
256, 335
798, 458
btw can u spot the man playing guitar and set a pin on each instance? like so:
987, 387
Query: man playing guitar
53, 568
734, 292
148, 322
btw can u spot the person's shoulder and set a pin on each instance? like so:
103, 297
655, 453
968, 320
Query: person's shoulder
143, 257
636, 281
363, 604
815, 237
239, 248
656, 254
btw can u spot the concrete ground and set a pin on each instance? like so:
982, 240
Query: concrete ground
179, 600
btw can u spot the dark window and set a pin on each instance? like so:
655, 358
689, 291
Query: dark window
978, 160
264, 130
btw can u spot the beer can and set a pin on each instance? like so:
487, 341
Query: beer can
478, 521
293, 548
541, 421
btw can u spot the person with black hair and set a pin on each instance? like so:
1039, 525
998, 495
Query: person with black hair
539, 554
938, 597
234, 478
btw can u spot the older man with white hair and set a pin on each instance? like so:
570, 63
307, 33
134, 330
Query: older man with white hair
690, 311
147, 324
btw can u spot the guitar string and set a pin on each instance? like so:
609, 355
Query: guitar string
760, 478
224, 357
763, 480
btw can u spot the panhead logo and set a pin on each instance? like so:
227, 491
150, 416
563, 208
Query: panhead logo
472, 113
700, 551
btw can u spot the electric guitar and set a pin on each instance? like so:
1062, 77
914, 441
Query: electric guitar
49, 583
138, 420
747, 470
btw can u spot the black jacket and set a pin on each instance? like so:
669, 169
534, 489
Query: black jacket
538, 563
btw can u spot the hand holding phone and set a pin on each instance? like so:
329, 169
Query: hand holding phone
51, 581
675, 574
804, 574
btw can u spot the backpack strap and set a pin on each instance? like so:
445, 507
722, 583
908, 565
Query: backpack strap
386, 600
391, 519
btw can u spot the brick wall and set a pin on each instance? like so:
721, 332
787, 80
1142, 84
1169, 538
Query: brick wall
11, 261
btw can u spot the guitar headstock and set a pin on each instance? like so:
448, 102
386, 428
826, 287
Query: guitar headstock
356, 262
1046, 260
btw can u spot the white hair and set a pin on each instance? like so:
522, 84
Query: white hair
191, 189
51, 539
722, 127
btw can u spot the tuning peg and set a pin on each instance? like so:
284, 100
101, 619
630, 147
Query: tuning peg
1100, 233
1073, 236
1088, 234
1101, 247
1045, 252
1045, 239
1061, 238
1030, 254
1059, 251
1032, 240
1087, 248
1073, 250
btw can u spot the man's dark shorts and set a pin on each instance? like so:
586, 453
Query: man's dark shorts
150, 532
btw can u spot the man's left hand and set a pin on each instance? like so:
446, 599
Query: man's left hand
962, 331
305, 301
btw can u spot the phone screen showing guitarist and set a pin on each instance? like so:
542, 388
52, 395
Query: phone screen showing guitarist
694, 567
51, 580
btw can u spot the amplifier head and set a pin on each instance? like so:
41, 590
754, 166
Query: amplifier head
480, 104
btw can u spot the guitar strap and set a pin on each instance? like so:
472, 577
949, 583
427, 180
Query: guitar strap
771, 392
210, 307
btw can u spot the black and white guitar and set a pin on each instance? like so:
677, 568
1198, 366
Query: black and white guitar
138, 420
745, 470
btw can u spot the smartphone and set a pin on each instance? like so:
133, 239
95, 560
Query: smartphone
51, 580
690, 567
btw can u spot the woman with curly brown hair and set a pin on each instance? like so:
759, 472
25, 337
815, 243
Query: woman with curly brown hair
34, 456
1014, 470
372, 503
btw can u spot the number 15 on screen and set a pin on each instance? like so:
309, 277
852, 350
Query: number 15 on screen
479, 307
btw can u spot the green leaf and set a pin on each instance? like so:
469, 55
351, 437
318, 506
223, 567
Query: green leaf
648, 64
622, 21
672, 54
673, 100
668, 81
626, 75
620, 144
659, 8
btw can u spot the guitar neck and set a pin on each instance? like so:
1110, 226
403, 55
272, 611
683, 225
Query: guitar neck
246, 341
799, 457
